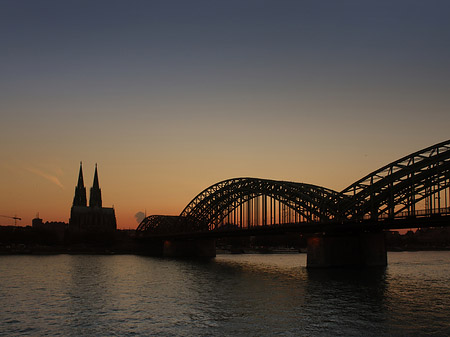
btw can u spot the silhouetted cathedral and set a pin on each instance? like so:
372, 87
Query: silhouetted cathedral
92, 218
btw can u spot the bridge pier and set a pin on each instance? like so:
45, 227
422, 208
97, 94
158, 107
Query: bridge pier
347, 250
190, 248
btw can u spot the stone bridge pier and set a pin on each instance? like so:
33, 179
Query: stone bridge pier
360, 249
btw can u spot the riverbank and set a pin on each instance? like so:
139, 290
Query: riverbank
27, 240
21, 249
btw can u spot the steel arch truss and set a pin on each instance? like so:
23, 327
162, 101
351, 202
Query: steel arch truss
397, 187
215, 203
164, 224
396, 190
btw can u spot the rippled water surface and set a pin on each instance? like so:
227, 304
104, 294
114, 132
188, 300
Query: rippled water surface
232, 295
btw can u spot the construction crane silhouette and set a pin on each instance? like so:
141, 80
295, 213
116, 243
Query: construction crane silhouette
12, 217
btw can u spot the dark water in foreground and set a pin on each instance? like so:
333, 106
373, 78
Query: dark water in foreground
232, 295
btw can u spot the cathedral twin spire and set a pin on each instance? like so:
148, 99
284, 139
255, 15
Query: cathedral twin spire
95, 199
80, 191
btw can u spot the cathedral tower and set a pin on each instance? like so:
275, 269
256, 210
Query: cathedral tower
95, 199
80, 191
94, 218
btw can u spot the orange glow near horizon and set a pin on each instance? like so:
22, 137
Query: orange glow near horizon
51, 194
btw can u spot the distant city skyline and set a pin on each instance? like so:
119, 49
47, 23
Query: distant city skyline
171, 97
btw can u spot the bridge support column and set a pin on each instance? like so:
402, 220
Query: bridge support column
347, 250
190, 248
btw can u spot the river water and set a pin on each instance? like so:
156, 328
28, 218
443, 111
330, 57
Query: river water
231, 295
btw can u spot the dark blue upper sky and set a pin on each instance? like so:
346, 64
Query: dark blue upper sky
300, 43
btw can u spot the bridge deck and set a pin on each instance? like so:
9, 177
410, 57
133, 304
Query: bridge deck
314, 227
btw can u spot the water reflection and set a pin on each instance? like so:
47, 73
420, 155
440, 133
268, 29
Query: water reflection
88, 296
286, 294
239, 295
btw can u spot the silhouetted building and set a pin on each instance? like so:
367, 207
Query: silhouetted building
37, 222
54, 230
94, 218
57, 226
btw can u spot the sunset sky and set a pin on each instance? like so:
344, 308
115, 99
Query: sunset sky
170, 97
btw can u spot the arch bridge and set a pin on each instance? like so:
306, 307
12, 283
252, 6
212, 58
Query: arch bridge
412, 190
